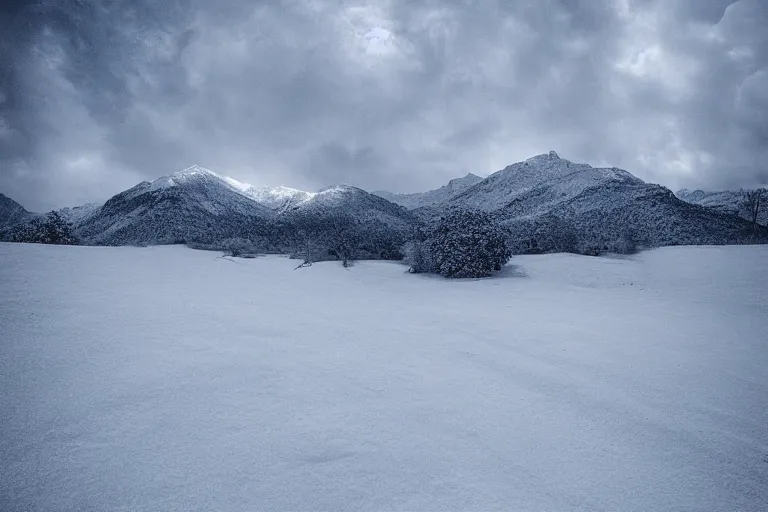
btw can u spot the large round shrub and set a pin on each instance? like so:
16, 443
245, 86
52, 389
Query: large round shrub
468, 244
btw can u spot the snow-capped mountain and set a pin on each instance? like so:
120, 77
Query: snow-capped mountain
598, 203
278, 198
79, 214
723, 201
195, 204
547, 178
198, 205
358, 203
12, 213
433, 197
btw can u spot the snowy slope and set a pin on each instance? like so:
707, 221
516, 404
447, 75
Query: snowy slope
12, 213
654, 216
364, 207
79, 214
199, 205
598, 203
278, 198
724, 201
561, 178
169, 379
195, 204
275, 198
432, 197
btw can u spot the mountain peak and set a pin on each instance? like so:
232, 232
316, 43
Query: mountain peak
339, 189
432, 197
469, 177
284, 191
551, 156
195, 169
279, 197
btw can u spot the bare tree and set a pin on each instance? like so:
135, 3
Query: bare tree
237, 247
754, 202
343, 235
418, 256
304, 244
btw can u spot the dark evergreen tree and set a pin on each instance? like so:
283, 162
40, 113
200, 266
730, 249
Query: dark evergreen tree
53, 229
343, 236
56, 230
553, 234
468, 244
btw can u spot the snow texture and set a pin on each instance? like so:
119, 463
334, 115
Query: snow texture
601, 205
723, 201
275, 198
432, 197
79, 214
162, 378
568, 179
195, 204
278, 198
363, 207
12, 213
598, 202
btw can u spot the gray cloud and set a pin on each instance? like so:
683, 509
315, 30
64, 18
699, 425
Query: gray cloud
395, 95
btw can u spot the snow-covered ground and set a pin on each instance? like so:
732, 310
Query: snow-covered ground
148, 379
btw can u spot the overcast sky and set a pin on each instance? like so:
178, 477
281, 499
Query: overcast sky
96, 96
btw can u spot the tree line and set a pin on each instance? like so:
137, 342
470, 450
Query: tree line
49, 229
461, 244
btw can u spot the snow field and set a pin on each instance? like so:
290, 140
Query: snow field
165, 378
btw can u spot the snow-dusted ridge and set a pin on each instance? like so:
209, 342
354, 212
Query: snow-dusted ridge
188, 205
723, 201
275, 198
12, 213
565, 178
78, 214
599, 204
432, 197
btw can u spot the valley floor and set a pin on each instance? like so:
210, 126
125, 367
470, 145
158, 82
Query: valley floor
146, 379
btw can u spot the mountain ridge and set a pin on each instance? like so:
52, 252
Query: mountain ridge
12, 213
194, 204
730, 202
431, 197
597, 204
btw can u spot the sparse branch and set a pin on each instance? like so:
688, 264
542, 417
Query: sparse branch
754, 202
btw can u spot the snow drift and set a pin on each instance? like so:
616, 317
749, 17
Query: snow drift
170, 379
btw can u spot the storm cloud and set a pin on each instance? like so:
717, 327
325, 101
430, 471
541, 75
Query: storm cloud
96, 95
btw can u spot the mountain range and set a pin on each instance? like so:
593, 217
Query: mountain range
595, 206
432, 197
190, 205
729, 202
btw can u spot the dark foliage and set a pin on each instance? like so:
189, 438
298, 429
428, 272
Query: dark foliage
52, 229
754, 202
468, 244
